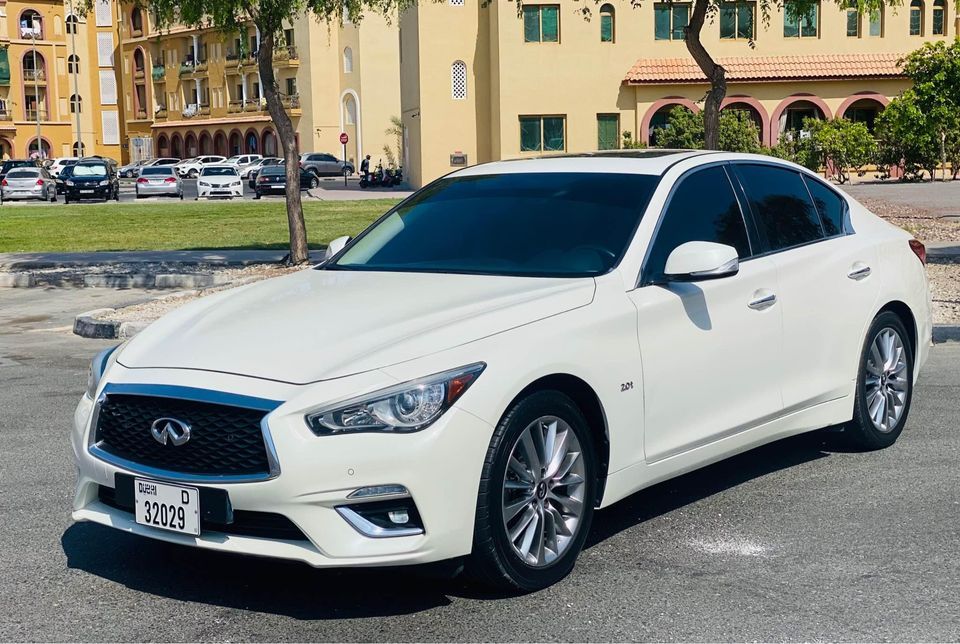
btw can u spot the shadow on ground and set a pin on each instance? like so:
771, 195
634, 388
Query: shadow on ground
301, 592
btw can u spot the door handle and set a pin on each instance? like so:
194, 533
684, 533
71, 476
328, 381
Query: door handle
762, 299
858, 271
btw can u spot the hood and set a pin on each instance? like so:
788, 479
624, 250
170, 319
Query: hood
317, 325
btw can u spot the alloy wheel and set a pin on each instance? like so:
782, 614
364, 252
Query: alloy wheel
543, 491
887, 379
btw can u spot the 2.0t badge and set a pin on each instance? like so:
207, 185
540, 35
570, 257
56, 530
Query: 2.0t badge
172, 429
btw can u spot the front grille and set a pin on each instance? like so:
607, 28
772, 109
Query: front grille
263, 525
224, 440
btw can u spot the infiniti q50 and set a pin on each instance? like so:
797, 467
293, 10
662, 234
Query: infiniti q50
512, 347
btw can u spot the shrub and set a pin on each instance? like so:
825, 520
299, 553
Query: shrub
840, 145
738, 132
907, 139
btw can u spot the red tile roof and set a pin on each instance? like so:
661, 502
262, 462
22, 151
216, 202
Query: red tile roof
768, 68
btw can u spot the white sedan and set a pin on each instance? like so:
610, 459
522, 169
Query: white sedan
516, 345
222, 181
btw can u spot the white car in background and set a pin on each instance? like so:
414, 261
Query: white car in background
192, 167
57, 164
507, 350
219, 181
243, 162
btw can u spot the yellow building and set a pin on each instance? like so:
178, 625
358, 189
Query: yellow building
57, 68
189, 92
484, 83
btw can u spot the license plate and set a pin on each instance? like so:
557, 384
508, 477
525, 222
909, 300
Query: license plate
86, 192
170, 507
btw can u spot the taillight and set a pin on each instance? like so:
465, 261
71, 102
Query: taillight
39, 182
261, 179
169, 180
142, 180
919, 250
3, 183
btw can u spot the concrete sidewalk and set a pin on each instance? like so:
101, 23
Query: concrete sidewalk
943, 249
34, 261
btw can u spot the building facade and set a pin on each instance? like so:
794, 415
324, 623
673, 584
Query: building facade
189, 92
57, 76
481, 83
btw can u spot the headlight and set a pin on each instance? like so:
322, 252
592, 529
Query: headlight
204, 184
105, 183
97, 367
235, 184
407, 407
68, 182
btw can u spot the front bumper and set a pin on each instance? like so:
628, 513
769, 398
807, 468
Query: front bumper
88, 192
226, 192
440, 467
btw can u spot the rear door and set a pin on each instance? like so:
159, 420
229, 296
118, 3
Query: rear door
824, 270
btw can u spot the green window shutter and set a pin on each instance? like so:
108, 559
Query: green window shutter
606, 27
853, 22
550, 19
4, 67
745, 13
661, 20
791, 22
728, 20
531, 23
530, 133
681, 16
608, 131
553, 133
876, 22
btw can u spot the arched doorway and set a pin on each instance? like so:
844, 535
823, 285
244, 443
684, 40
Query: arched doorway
269, 143
176, 146
6, 149
235, 143
220, 144
660, 122
190, 145
657, 115
79, 149
789, 116
252, 144
44, 149
163, 146
206, 143
863, 110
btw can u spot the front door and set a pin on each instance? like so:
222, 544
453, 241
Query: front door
710, 350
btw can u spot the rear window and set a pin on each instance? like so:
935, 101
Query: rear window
154, 171
23, 174
831, 206
784, 212
274, 170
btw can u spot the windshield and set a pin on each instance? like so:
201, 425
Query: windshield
152, 171
233, 159
536, 224
89, 171
218, 172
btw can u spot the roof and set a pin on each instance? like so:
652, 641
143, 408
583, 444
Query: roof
769, 68
624, 161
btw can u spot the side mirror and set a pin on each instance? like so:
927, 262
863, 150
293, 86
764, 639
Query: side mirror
336, 246
698, 260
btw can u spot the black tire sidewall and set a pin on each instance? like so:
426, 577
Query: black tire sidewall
544, 403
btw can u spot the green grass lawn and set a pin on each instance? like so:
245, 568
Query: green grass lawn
176, 225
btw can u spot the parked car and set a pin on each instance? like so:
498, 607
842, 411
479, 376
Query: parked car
112, 166
159, 180
91, 179
28, 183
325, 165
163, 161
59, 163
65, 173
255, 169
273, 179
219, 181
10, 164
192, 167
131, 170
510, 348
243, 162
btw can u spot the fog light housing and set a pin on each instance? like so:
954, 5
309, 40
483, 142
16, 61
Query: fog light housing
381, 519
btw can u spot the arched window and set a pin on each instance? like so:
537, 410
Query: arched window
73, 64
607, 23
136, 21
75, 104
78, 149
458, 80
33, 66
138, 60
31, 24
939, 17
350, 110
916, 18
72, 22
347, 61
876, 22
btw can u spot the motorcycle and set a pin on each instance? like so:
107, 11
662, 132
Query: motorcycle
381, 178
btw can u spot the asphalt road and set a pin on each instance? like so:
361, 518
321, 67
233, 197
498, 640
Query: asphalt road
794, 541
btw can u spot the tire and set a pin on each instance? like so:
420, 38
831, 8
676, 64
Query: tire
53, 197
193, 174
896, 380
497, 560
314, 182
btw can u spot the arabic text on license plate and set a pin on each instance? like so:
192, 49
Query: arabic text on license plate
170, 507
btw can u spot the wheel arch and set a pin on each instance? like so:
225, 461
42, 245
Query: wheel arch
586, 399
905, 313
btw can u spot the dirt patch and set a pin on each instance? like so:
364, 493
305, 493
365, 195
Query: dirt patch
925, 225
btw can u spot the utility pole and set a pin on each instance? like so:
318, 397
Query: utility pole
34, 33
76, 85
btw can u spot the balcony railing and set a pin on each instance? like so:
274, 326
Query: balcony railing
5, 115
290, 101
190, 111
186, 68
234, 106
136, 32
200, 66
160, 113
138, 73
158, 72
253, 105
232, 55
31, 32
32, 75
204, 109
32, 114
287, 52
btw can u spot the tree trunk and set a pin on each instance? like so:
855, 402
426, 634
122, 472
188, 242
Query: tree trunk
299, 252
943, 156
714, 73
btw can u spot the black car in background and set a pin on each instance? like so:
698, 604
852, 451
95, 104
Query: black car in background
10, 164
91, 179
65, 173
273, 179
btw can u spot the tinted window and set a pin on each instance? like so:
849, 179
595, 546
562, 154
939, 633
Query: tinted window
536, 224
327, 157
831, 206
155, 171
703, 208
23, 174
781, 204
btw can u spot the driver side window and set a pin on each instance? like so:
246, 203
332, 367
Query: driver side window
703, 207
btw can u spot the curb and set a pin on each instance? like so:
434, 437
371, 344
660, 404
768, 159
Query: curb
86, 326
17, 280
946, 333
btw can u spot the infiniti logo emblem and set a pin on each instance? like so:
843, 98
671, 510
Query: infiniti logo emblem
176, 431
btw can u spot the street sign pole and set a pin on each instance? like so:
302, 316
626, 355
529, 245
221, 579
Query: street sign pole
344, 139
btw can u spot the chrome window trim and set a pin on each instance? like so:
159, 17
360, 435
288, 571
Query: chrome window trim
193, 394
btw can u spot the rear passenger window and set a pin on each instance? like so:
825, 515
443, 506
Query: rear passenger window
781, 204
830, 205
703, 208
